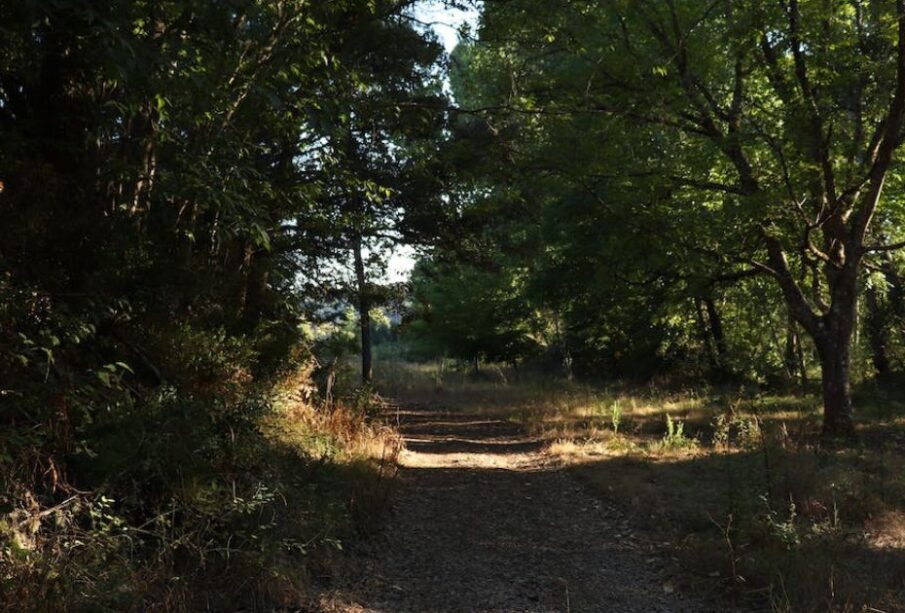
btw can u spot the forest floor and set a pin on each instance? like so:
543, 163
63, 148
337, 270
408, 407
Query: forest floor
521, 492
484, 521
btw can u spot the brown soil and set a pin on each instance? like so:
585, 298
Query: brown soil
483, 522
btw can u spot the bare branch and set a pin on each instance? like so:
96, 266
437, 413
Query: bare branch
889, 247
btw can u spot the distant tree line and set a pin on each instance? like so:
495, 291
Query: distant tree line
667, 183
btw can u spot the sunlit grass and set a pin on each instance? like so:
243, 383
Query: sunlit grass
734, 478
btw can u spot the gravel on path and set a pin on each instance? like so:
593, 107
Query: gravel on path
481, 522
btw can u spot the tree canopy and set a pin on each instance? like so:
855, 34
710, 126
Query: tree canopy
654, 164
706, 191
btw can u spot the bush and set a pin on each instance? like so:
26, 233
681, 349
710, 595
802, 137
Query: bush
217, 495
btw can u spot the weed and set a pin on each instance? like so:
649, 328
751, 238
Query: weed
230, 513
365, 400
675, 438
615, 416
736, 428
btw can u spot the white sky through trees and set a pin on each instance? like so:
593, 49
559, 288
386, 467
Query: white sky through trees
445, 21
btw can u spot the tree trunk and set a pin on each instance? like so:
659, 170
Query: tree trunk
896, 295
835, 362
789, 355
364, 311
877, 332
246, 252
794, 355
896, 289
832, 333
705, 335
716, 331
802, 367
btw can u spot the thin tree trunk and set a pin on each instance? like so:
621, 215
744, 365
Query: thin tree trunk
896, 295
566, 361
794, 355
802, 367
789, 355
716, 331
364, 311
247, 254
877, 332
719, 338
896, 289
705, 335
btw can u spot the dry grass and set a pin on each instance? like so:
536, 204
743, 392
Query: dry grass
249, 530
757, 511
341, 432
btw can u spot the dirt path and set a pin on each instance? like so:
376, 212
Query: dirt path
482, 523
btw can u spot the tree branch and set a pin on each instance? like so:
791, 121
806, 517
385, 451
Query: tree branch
820, 149
890, 140
795, 298
889, 247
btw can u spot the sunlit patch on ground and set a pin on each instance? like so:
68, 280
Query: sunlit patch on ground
736, 482
484, 521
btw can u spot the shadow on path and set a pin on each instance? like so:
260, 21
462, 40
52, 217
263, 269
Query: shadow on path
483, 523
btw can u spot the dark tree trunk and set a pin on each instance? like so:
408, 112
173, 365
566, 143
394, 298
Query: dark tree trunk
716, 331
877, 332
705, 335
835, 362
364, 311
719, 339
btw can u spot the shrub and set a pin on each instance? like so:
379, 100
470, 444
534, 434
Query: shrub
675, 438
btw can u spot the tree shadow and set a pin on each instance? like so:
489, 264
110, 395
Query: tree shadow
762, 529
431, 432
494, 529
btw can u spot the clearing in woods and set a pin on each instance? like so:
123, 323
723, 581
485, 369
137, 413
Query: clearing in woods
482, 521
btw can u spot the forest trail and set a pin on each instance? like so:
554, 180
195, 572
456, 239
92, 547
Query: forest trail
483, 522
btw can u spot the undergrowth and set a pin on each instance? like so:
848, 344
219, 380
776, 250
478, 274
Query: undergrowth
230, 498
760, 513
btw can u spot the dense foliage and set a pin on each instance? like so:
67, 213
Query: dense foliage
188, 189
705, 186
176, 178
